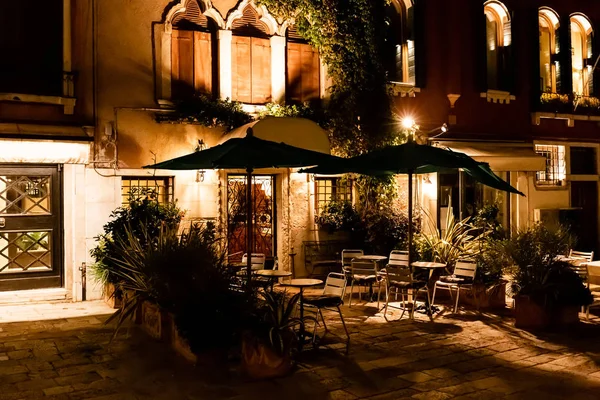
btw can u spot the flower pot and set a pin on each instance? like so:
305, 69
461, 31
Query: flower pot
493, 297
152, 320
529, 314
260, 361
111, 296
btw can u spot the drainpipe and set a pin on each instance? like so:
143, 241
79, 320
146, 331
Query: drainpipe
83, 270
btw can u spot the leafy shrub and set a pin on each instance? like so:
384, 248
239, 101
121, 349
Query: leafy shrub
381, 231
337, 216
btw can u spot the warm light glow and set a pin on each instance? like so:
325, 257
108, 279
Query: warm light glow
408, 122
444, 128
29, 151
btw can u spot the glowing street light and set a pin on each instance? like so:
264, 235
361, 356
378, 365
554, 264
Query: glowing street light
408, 122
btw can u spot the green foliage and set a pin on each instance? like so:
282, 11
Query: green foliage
491, 262
312, 112
381, 231
538, 273
486, 219
337, 216
143, 217
206, 111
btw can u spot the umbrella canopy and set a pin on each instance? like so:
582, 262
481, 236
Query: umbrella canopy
247, 153
412, 158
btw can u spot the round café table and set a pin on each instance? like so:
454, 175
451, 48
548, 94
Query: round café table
429, 308
302, 283
272, 275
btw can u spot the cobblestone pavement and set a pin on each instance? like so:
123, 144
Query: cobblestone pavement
464, 356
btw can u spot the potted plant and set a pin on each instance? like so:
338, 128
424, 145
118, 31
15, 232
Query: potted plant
268, 346
546, 291
337, 219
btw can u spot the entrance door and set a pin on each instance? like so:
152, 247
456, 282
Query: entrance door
585, 195
30, 234
263, 206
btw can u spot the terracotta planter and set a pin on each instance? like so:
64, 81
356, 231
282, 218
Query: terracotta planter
530, 315
113, 300
493, 297
259, 361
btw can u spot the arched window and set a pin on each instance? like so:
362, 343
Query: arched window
192, 50
498, 46
400, 43
581, 54
549, 51
250, 59
303, 69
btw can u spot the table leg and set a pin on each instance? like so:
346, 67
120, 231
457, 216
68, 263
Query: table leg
301, 334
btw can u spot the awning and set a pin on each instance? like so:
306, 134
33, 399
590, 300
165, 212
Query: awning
501, 156
298, 132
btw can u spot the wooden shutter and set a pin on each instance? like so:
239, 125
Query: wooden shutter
420, 27
507, 70
566, 71
182, 63
261, 70
203, 63
294, 72
241, 68
532, 23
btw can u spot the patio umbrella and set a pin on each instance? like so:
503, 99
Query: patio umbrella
412, 158
247, 153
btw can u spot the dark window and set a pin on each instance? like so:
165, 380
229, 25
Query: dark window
331, 189
136, 188
31, 39
583, 161
400, 44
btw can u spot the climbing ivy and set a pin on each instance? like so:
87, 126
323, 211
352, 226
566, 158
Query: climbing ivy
350, 37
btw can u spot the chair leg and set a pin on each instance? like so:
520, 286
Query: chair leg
314, 340
323, 319
378, 295
430, 304
412, 310
345, 329
351, 293
433, 297
387, 300
457, 297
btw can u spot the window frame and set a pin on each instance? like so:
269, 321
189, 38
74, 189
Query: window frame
555, 174
584, 32
545, 21
348, 191
404, 40
169, 185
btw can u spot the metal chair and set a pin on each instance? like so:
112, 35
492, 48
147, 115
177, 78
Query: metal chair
399, 277
362, 273
582, 255
348, 255
257, 260
397, 257
463, 276
331, 299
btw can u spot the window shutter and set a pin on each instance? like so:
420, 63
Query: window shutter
533, 33
419, 29
203, 63
182, 63
294, 72
508, 63
566, 72
261, 71
493, 54
310, 73
241, 68
558, 59
594, 75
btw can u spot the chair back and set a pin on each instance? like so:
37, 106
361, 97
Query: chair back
349, 254
257, 260
398, 257
363, 268
581, 255
335, 285
398, 273
465, 269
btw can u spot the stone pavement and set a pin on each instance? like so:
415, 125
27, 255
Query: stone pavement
464, 356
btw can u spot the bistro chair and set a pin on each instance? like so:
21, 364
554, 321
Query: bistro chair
331, 299
585, 256
257, 260
362, 273
348, 255
463, 276
399, 279
595, 272
397, 257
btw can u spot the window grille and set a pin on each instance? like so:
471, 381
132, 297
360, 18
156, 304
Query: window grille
555, 172
331, 189
136, 188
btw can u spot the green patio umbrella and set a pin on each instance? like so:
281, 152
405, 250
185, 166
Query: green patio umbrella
247, 153
412, 158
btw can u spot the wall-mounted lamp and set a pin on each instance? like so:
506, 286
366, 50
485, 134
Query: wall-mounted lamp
426, 180
200, 174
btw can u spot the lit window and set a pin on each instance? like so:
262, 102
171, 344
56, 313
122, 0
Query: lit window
331, 189
581, 54
549, 50
400, 43
498, 45
156, 188
555, 172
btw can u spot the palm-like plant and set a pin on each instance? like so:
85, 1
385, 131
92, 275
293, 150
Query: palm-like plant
277, 317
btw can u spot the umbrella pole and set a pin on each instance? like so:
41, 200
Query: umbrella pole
410, 217
249, 224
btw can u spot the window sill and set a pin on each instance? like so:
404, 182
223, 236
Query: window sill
402, 89
543, 187
68, 103
536, 117
498, 96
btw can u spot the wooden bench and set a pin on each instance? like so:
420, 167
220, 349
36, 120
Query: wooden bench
323, 257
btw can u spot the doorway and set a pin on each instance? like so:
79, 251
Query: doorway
584, 195
30, 228
263, 215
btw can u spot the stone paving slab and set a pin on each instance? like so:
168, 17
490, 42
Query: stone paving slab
464, 356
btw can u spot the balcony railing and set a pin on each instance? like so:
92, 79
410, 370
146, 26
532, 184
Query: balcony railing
569, 104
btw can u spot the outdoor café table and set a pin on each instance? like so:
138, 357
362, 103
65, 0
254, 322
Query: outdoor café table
301, 284
429, 309
272, 275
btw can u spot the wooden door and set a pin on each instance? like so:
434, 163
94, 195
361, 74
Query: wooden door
584, 195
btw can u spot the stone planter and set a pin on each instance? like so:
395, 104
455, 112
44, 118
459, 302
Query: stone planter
179, 344
530, 315
113, 300
493, 297
152, 320
259, 361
